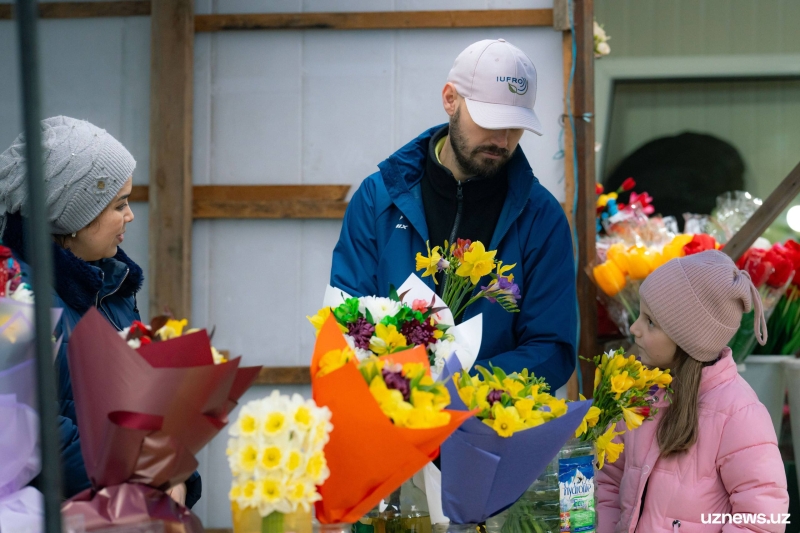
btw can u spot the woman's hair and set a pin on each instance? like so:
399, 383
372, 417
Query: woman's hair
677, 430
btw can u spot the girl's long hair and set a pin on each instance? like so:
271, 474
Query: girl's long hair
677, 430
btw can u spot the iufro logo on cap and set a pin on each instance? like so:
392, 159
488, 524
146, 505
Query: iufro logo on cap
515, 85
498, 83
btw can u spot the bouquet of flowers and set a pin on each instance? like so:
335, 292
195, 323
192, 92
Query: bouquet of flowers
11, 284
508, 403
276, 457
624, 389
782, 271
462, 265
771, 271
624, 268
162, 328
138, 437
374, 325
492, 459
391, 398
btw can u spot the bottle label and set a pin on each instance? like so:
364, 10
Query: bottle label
576, 491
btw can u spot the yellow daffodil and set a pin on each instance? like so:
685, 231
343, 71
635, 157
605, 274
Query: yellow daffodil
275, 423
557, 407
506, 420
632, 419
502, 269
247, 425
429, 263
606, 448
535, 418
513, 387
249, 490
426, 418
303, 417
387, 339
317, 467
270, 490
334, 360
294, 461
477, 262
524, 407
271, 457
247, 458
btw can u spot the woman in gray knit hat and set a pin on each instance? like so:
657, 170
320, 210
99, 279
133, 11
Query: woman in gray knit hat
88, 177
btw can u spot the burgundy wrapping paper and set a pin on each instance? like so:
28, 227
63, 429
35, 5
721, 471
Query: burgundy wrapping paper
142, 416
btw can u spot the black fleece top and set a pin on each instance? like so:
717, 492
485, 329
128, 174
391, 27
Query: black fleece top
481, 203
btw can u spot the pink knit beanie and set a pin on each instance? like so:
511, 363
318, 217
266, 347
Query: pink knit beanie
699, 300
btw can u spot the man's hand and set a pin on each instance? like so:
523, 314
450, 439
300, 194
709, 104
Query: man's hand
178, 493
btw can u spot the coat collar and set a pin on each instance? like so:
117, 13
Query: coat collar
722, 371
80, 283
403, 170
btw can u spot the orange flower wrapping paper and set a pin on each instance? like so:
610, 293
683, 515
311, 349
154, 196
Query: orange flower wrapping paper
368, 456
143, 415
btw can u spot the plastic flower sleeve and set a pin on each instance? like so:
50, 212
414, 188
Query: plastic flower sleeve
143, 415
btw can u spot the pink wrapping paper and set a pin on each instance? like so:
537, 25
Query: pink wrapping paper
142, 416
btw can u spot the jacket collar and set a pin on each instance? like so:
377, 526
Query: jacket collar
720, 372
80, 283
403, 170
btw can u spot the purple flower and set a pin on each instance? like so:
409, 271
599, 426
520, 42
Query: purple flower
504, 290
361, 331
396, 381
494, 396
443, 264
418, 333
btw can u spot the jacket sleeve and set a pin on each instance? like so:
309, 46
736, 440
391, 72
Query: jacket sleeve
546, 327
607, 497
73, 470
751, 469
355, 257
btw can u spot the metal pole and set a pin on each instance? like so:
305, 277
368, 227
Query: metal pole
38, 251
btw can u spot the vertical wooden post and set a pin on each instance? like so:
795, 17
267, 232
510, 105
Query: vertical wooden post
171, 72
583, 18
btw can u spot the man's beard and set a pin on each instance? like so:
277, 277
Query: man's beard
470, 161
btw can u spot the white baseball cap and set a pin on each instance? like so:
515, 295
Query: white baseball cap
498, 82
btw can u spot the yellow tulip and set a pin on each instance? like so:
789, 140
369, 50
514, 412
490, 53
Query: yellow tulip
609, 278
640, 262
617, 253
675, 247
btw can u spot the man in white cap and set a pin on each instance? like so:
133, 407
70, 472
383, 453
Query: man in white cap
470, 180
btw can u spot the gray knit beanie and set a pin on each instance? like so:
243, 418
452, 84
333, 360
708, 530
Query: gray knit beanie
84, 169
698, 301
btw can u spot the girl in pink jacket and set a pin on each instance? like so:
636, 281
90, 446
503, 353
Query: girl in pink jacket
709, 461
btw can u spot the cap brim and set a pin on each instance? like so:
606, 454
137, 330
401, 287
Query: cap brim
503, 117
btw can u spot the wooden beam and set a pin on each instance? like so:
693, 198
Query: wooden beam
561, 15
70, 10
170, 190
262, 201
583, 18
391, 20
284, 375
773, 206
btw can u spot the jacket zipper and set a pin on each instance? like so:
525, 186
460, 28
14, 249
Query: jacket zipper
676, 525
99, 301
460, 208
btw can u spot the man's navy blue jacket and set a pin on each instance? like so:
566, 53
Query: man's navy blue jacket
384, 228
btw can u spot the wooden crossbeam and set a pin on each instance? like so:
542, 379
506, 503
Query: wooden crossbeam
284, 375
262, 201
390, 20
68, 10
773, 206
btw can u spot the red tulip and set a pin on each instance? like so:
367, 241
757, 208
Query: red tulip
628, 184
598, 188
700, 243
782, 265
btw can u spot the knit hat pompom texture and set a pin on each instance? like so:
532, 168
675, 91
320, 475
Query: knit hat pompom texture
699, 300
84, 169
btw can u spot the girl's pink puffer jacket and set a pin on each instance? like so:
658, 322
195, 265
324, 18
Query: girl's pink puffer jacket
735, 467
